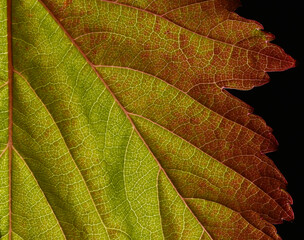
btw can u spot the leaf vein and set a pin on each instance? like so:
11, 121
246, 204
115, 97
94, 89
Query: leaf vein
68, 151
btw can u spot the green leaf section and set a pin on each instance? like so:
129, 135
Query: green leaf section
3, 43
80, 170
89, 159
4, 170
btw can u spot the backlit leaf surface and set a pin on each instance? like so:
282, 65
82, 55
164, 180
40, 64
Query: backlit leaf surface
115, 122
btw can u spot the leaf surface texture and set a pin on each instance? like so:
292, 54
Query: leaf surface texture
122, 127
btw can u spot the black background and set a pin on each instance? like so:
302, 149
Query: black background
280, 102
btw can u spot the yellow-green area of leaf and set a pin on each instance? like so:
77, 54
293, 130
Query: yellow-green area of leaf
115, 122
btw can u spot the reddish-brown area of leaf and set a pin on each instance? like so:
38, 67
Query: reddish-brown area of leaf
240, 56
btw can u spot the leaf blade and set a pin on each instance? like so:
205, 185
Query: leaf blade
91, 116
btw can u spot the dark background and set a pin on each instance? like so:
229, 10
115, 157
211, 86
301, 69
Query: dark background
280, 102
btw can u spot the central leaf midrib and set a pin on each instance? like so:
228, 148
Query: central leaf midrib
10, 112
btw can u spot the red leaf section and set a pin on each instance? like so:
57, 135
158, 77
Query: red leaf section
198, 47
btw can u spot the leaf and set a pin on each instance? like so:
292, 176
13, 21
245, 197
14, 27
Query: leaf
115, 122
